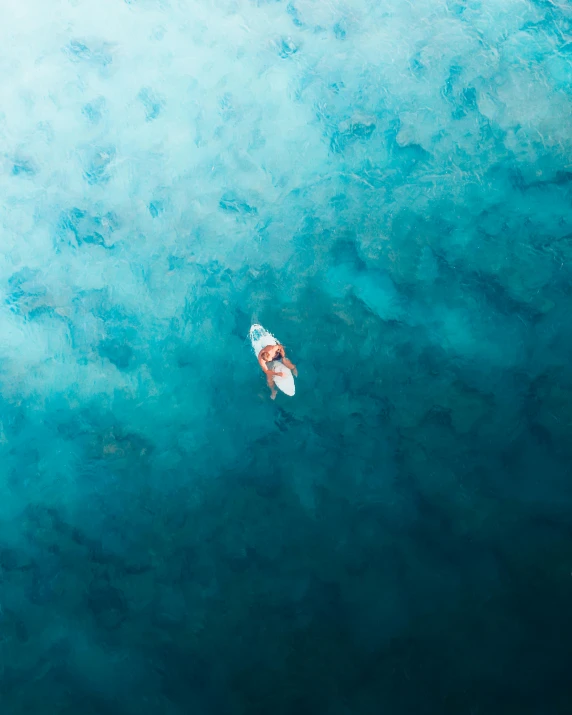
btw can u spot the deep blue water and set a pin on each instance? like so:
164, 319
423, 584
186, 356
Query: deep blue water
387, 187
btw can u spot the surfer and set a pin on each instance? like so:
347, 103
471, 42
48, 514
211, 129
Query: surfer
277, 353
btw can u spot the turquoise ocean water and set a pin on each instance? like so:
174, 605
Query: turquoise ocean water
387, 187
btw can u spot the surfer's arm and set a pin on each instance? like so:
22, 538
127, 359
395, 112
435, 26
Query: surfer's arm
290, 365
285, 361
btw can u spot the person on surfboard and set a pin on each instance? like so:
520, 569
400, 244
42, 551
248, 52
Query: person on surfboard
267, 355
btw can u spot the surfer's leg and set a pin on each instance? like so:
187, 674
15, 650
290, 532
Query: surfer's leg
271, 385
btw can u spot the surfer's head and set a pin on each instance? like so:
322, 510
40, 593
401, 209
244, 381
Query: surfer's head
271, 352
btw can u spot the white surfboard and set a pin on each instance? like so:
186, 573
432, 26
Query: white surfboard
261, 338
286, 382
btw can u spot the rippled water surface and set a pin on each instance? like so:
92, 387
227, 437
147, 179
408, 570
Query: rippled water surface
387, 187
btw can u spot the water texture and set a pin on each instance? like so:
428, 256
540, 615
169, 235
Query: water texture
386, 186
